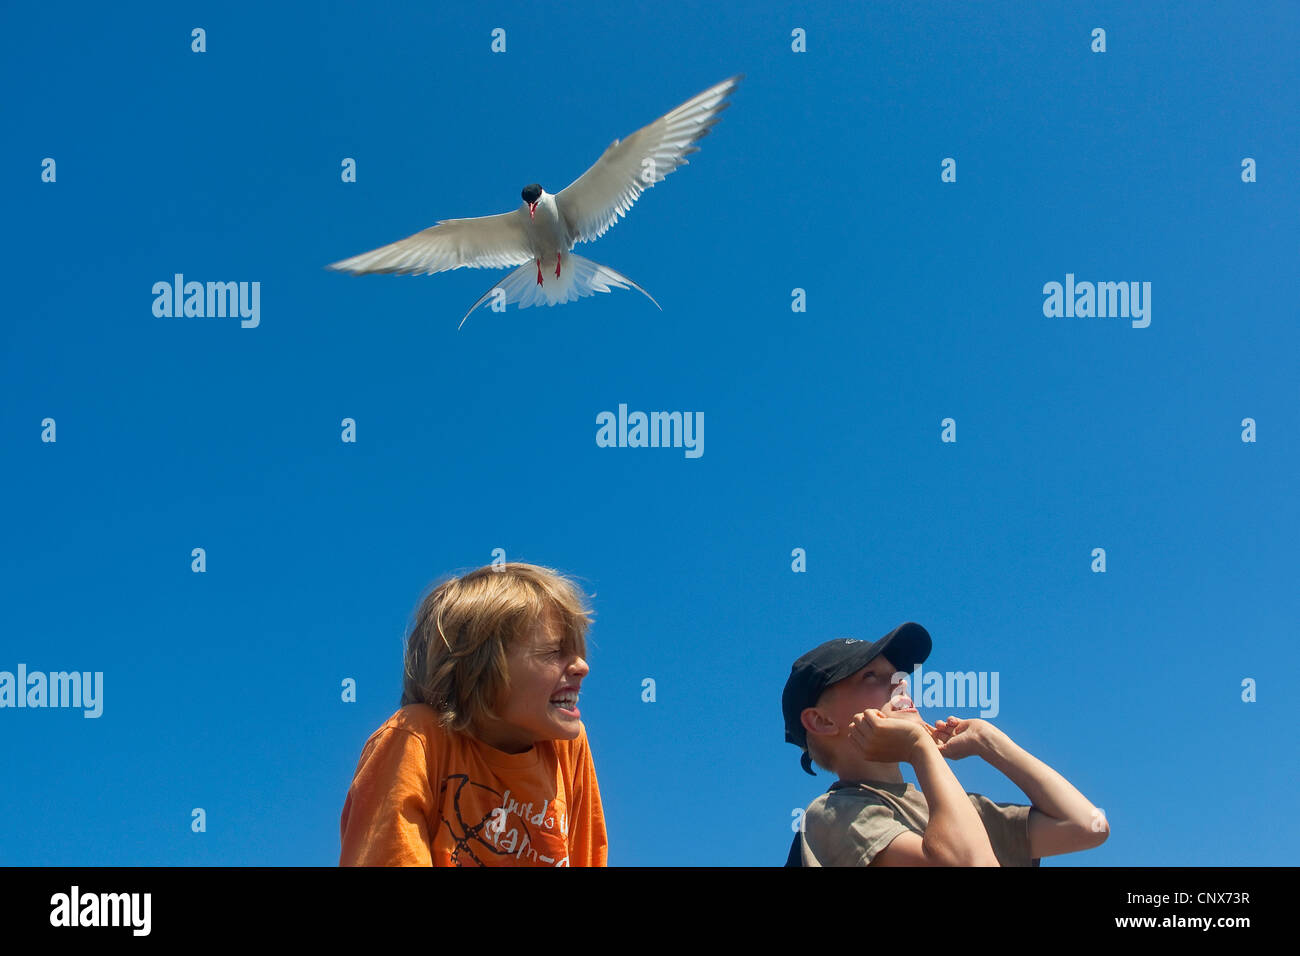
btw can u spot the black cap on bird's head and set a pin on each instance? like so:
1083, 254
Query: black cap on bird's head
531, 195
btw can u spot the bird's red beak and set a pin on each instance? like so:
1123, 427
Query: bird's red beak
532, 210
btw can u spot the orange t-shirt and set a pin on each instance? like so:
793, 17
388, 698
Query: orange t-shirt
424, 796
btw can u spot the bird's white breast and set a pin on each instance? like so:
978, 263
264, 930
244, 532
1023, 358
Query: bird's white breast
547, 231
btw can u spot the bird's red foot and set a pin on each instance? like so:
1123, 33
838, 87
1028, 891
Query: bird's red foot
557, 265
539, 271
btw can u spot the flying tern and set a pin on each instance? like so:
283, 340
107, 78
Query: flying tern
545, 227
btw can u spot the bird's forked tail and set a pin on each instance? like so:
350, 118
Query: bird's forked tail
579, 277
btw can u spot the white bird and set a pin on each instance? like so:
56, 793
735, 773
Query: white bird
545, 227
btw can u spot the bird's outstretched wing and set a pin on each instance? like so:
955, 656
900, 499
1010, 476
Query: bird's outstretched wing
595, 200
488, 242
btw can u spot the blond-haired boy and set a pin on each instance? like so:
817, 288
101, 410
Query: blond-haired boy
486, 763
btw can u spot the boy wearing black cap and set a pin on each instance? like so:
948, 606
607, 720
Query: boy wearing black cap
844, 708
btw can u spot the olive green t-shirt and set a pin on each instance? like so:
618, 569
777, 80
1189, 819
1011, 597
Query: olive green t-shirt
849, 825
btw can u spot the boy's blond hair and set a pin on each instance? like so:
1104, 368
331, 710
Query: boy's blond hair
818, 755
456, 651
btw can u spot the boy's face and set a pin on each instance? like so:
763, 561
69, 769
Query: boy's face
542, 702
870, 688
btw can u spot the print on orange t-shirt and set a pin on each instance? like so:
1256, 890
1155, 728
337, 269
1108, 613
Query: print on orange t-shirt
423, 796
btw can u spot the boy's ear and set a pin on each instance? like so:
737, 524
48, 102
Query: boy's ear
815, 722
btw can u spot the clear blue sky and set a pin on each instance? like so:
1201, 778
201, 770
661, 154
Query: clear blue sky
222, 689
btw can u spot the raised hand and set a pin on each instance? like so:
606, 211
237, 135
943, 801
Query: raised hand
958, 738
884, 739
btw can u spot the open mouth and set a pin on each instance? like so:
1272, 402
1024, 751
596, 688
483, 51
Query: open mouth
902, 703
566, 704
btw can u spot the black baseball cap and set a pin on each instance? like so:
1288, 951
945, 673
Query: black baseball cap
907, 645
